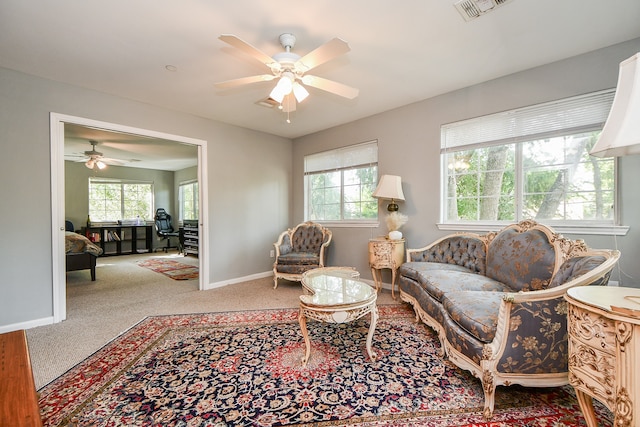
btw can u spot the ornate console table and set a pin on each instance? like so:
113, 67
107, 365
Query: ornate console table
604, 350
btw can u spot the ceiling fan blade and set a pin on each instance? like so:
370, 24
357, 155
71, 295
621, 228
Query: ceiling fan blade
248, 49
244, 81
322, 54
330, 86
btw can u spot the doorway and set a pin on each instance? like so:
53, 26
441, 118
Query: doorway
57, 123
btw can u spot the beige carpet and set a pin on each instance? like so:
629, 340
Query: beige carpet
125, 293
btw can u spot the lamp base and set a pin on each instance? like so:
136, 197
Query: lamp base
392, 207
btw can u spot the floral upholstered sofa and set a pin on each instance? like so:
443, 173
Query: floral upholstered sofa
496, 300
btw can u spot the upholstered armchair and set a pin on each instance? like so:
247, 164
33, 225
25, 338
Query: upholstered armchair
300, 249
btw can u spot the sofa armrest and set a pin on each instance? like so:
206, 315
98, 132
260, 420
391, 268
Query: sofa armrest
599, 274
532, 326
283, 245
533, 335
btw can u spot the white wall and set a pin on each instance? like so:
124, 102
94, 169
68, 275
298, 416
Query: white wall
409, 144
249, 187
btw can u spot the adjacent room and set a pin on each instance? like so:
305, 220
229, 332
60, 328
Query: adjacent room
337, 213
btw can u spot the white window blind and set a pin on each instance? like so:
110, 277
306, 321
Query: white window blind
577, 114
346, 157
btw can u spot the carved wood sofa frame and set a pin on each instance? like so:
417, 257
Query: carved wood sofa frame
528, 344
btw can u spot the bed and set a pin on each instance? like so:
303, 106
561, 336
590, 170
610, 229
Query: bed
81, 253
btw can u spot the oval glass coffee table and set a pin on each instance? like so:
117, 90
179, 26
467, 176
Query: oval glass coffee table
336, 296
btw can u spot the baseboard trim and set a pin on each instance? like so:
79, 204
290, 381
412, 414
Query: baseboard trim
26, 325
238, 280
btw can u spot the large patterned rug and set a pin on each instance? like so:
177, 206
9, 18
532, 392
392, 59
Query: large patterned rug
243, 369
170, 268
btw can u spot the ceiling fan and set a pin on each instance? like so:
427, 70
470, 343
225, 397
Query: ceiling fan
95, 160
290, 69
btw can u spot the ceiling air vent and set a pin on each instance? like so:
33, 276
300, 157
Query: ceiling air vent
471, 9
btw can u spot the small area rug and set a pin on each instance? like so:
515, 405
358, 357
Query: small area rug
243, 369
170, 268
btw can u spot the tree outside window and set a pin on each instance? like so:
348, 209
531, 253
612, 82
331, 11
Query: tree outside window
339, 184
114, 200
531, 163
557, 181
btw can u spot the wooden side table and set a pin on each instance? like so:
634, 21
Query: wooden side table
385, 253
604, 349
18, 397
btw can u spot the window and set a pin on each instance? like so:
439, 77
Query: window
111, 200
531, 163
339, 184
188, 198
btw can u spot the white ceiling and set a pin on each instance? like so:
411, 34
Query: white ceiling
401, 51
123, 149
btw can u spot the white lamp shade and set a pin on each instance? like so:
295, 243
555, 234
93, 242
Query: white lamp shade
300, 92
389, 187
621, 133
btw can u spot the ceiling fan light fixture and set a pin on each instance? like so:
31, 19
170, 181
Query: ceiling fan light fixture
100, 164
283, 88
299, 92
89, 164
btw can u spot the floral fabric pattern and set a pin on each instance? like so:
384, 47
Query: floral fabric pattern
300, 249
451, 294
523, 261
475, 312
537, 341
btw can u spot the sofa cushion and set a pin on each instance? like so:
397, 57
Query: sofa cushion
438, 283
475, 312
299, 258
576, 267
413, 269
523, 261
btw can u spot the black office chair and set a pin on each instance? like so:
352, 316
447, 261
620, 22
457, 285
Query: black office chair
165, 230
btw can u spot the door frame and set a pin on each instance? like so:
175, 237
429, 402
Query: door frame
57, 122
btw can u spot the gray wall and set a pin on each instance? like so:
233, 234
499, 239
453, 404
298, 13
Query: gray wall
249, 186
409, 144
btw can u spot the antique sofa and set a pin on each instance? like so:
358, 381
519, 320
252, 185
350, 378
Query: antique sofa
496, 300
300, 249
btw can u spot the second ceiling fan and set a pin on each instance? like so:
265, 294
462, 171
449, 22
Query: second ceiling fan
290, 69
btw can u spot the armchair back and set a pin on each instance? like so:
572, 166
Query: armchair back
300, 249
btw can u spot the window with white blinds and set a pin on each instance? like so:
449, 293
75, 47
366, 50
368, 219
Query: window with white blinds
530, 163
339, 184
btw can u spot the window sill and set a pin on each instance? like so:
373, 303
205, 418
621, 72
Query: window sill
349, 224
604, 230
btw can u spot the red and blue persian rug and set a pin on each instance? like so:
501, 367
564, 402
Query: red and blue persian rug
170, 268
244, 369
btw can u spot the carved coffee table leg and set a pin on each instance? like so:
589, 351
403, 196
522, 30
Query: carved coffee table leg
372, 328
586, 404
305, 334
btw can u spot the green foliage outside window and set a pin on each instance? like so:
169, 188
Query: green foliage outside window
113, 201
546, 179
342, 194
